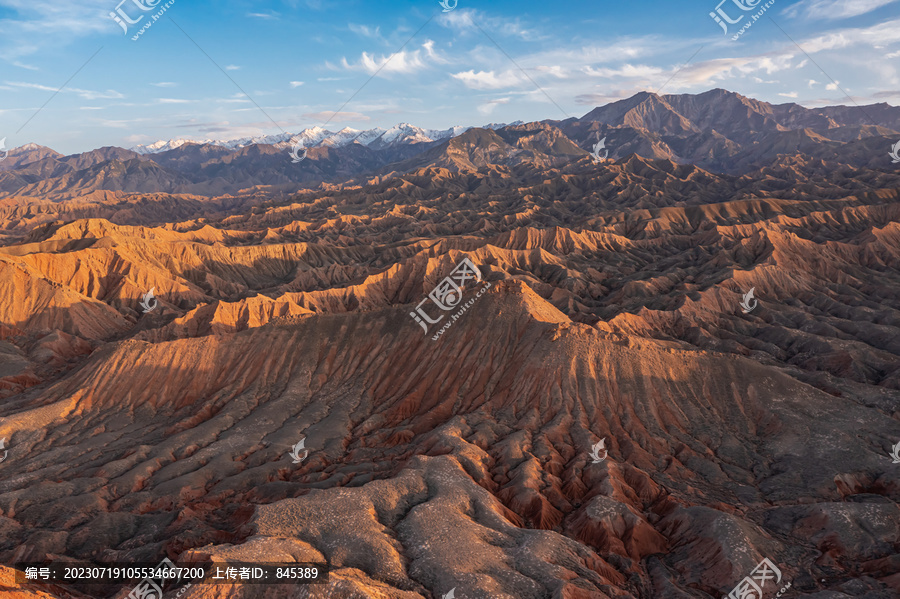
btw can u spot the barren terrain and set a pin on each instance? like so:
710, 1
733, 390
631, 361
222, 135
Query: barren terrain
614, 312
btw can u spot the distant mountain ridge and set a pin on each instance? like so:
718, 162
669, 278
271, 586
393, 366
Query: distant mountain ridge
317, 136
718, 131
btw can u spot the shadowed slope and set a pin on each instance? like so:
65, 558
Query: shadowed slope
507, 405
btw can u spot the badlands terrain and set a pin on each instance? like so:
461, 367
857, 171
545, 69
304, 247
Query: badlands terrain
465, 462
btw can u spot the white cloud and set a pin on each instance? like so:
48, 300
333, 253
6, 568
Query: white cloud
792, 95
235, 99
296, 84
834, 9
84, 93
164, 84
365, 31
403, 62
489, 79
884, 33
232, 67
625, 70
832, 86
489, 106
121, 123
50, 17
554, 71
389, 106
461, 20
616, 49
465, 21
336, 117
647, 62
712, 72
428, 46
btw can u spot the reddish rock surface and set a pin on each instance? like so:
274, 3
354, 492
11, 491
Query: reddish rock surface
465, 462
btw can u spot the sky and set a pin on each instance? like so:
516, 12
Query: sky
73, 79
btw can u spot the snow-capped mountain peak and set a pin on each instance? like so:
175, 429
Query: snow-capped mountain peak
403, 133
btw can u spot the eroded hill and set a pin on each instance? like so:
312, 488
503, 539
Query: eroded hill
613, 313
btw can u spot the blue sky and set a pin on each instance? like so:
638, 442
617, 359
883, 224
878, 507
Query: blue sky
299, 61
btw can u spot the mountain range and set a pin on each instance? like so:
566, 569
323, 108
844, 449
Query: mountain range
404, 133
719, 131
